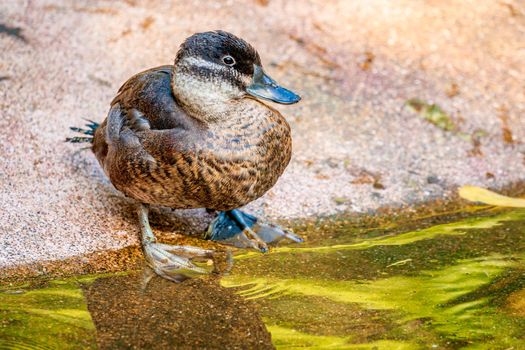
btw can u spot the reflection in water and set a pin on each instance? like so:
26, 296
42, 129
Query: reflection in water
195, 314
126, 315
448, 286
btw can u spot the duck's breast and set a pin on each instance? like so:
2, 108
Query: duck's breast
244, 157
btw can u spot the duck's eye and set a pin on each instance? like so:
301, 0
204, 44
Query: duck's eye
228, 60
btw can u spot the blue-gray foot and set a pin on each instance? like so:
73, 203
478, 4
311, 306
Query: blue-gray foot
172, 262
243, 230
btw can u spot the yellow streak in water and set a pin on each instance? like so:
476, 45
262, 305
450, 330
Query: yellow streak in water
478, 194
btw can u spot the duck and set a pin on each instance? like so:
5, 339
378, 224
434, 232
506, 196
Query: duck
198, 134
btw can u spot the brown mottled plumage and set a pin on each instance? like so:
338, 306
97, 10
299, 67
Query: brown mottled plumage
156, 153
195, 135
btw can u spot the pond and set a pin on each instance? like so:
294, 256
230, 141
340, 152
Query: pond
449, 282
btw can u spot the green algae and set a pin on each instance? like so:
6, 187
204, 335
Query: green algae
285, 336
453, 285
53, 317
433, 114
442, 286
452, 229
436, 116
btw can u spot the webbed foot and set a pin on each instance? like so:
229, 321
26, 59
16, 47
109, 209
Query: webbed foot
175, 262
243, 230
172, 262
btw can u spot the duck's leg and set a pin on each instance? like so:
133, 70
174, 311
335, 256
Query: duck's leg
244, 230
169, 261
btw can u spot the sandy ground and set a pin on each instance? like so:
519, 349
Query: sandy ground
357, 145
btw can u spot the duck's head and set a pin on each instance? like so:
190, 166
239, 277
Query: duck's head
217, 67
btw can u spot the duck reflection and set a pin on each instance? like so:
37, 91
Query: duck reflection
198, 313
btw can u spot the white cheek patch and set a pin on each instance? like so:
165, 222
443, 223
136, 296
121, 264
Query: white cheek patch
209, 94
200, 62
217, 67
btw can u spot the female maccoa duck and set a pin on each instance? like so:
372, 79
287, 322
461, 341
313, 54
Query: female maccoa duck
196, 135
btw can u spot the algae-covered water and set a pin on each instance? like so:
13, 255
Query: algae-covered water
446, 284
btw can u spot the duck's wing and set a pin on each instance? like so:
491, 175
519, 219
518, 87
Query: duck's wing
145, 129
149, 95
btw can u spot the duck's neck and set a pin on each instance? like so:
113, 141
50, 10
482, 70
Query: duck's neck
203, 100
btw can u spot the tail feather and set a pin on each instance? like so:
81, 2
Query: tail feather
90, 131
82, 131
78, 139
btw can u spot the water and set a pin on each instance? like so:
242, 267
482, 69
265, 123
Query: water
443, 283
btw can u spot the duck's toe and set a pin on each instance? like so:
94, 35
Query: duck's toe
178, 263
243, 230
272, 233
